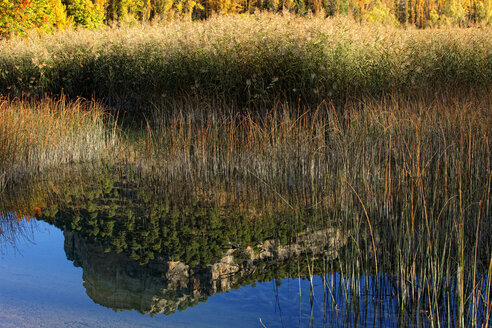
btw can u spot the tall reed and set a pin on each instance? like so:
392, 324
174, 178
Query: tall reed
245, 61
409, 178
49, 133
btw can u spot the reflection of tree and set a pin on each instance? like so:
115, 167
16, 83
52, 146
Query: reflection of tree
193, 232
156, 249
141, 220
115, 280
146, 223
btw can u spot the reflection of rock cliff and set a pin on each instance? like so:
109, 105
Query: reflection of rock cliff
118, 282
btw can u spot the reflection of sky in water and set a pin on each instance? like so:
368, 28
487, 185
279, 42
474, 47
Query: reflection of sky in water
40, 288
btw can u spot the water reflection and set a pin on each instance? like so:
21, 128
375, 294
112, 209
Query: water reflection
147, 247
116, 281
15, 228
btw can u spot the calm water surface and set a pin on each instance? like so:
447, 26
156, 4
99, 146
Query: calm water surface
40, 287
108, 251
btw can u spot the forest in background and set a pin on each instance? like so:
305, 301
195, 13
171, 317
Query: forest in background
18, 17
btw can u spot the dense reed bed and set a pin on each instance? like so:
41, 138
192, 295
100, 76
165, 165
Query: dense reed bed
250, 60
305, 152
35, 136
408, 178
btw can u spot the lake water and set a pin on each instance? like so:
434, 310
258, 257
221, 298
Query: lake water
40, 287
109, 252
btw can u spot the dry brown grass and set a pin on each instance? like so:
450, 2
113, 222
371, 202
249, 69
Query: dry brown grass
250, 60
38, 135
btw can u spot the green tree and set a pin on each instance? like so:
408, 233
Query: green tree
84, 13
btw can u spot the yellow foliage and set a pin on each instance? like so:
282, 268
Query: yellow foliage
60, 15
484, 11
381, 14
17, 18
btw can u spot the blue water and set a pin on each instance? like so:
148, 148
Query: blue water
39, 287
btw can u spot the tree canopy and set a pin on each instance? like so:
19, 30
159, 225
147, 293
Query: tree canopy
17, 17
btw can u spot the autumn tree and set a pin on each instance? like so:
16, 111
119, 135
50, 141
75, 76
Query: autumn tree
21, 16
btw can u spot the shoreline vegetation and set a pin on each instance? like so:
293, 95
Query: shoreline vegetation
234, 76
39, 135
407, 181
381, 132
253, 61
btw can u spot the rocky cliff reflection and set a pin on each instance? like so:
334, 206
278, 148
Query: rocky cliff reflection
157, 250
162, 286
160, 246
